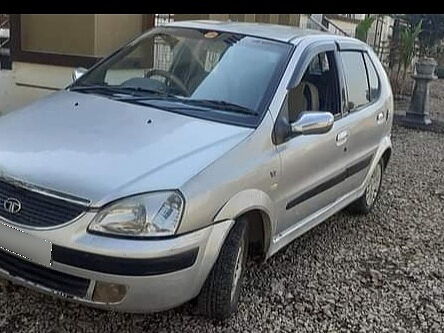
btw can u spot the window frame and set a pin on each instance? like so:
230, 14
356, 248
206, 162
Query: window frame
310, 52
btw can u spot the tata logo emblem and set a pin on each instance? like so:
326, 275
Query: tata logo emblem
12, 205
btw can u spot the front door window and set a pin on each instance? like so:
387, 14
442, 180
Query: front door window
318, 89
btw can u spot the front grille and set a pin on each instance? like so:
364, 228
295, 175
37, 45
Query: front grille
37, 209
49, 278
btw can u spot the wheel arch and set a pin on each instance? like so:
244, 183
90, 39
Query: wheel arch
386, 156
257, 208
259, 233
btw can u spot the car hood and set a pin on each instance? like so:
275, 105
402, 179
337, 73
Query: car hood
99, 149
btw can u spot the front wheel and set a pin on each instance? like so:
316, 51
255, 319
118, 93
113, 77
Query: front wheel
220, 294
365, 203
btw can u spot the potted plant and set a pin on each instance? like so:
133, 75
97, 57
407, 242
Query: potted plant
426, 66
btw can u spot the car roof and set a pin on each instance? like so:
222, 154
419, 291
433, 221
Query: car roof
281, 33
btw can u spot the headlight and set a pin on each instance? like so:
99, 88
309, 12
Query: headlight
152, 214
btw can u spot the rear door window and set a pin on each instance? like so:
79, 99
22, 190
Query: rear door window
373, 79
356, 79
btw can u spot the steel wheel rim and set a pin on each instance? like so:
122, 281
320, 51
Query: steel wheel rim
373, 187
237, 270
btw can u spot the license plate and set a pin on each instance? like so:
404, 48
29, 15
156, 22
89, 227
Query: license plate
24, 245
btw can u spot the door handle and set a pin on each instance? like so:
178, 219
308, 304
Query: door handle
342, 137
380, 117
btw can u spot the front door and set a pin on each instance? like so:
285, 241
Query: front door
313, 166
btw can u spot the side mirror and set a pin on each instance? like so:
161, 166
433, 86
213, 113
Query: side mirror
310, 122
78, 72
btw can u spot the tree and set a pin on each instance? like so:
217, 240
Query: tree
408, 38
402, 52
363, 27
432, 31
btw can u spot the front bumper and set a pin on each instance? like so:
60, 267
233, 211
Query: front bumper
158, 274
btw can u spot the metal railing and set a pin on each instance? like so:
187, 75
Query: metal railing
4, 40
334, 28
379, 38
4, 20
4, 30
326, 24
377, 42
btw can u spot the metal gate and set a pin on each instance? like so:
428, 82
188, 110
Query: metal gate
5, 54
161, 19
162, 55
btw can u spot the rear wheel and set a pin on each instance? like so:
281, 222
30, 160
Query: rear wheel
220, 294
365, 203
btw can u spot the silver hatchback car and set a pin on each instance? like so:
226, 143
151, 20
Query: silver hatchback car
152, 179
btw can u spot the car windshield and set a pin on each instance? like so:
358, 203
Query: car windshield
214, 75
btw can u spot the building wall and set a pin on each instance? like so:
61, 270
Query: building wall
72, 34
114, 30
78, 34
63, 34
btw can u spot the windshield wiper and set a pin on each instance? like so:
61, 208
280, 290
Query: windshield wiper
160, 95
134, 97
122, 90
196, 104
221, 105
106, 88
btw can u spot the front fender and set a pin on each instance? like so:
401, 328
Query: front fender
249, 200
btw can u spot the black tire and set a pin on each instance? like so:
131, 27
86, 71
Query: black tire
361, 205
215, 299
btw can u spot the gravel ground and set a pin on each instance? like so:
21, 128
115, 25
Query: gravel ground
379, 273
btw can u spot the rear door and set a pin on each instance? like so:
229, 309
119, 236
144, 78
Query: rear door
365, 113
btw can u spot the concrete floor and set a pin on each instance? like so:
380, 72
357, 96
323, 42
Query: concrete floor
13, 96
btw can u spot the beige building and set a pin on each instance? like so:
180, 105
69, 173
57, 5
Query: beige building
45, 48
